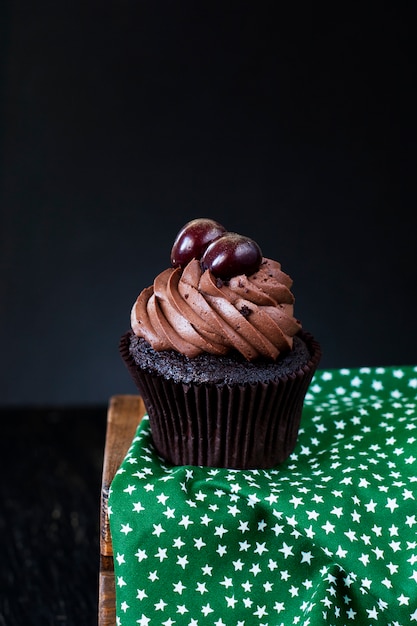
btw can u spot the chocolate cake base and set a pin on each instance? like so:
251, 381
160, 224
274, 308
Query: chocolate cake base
222, 411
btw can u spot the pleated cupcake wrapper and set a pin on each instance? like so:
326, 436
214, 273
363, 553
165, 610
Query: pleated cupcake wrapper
235, 426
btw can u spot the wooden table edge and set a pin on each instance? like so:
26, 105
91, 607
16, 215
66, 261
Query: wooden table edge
123, 417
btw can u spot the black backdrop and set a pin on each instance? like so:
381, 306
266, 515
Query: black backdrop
121, 121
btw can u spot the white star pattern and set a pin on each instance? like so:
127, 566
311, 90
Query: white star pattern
330, 536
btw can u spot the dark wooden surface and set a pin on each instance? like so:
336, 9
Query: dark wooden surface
51, 463
124, 415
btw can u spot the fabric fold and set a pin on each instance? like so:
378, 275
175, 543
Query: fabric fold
330, 536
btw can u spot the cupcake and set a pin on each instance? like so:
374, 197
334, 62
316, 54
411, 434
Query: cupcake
217, 355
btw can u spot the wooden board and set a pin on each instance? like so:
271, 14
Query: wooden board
123, 417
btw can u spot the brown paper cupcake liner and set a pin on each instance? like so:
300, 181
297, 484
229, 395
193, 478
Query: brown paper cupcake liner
235, 426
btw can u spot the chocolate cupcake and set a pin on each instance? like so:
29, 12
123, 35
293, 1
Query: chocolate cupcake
221, 362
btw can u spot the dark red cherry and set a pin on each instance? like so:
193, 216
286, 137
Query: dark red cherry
193, 239
232, 254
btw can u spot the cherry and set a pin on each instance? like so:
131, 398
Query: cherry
232, 254
193, 239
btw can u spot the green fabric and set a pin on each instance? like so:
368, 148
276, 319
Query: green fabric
329, 537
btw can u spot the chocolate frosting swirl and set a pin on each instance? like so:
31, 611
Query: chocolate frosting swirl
190, 311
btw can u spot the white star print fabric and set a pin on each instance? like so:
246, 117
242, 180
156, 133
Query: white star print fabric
329, 537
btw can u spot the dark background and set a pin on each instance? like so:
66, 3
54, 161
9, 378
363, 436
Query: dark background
121, 121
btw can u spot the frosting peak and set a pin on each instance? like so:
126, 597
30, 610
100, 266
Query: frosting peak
191, 311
